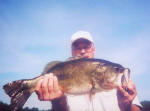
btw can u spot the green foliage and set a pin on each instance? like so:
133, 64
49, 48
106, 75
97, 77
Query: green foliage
6, 107
146, 105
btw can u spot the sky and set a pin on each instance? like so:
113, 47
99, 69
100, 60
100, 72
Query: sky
35, 32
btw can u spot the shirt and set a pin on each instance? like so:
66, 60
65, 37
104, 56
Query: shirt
102, 101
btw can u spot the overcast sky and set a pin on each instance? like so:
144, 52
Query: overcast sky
34, 32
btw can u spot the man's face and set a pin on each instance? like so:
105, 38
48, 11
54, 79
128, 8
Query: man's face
83, 48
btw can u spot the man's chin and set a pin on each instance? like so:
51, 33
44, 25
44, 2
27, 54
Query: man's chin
84, 56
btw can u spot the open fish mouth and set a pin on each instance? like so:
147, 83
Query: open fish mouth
125, 77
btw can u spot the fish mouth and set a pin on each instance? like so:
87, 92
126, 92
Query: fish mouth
125, 77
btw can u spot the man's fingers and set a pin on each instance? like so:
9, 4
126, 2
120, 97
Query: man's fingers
122, 91
131, 91
129, 94
50, 83
48, 88
131, 88
38, 89
126, 94
45, 91
56, 86
38, 85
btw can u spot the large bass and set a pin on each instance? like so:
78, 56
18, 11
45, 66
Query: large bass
76, 77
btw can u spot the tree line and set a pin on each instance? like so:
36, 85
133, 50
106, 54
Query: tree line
6, 107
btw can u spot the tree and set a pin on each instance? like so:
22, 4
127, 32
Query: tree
146, 105
6, 107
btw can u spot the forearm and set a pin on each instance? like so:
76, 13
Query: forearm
130, 107
135, 107
60, 104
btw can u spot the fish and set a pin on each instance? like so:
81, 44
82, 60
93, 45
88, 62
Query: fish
75, 77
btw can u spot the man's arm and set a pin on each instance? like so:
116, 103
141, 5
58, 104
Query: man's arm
126, 95
135, 107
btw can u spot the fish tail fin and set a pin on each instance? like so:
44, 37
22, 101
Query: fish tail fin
18, 92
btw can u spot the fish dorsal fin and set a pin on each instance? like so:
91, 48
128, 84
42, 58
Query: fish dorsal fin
49, 66
74, 58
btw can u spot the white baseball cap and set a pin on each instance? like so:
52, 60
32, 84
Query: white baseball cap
81, 35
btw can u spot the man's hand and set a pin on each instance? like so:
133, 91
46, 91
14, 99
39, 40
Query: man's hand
126, 95
48, 89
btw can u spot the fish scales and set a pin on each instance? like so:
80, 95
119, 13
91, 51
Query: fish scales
72, 72
75, 76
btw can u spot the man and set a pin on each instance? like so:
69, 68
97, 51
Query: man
121, 99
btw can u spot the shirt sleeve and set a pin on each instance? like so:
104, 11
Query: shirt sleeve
136, 102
